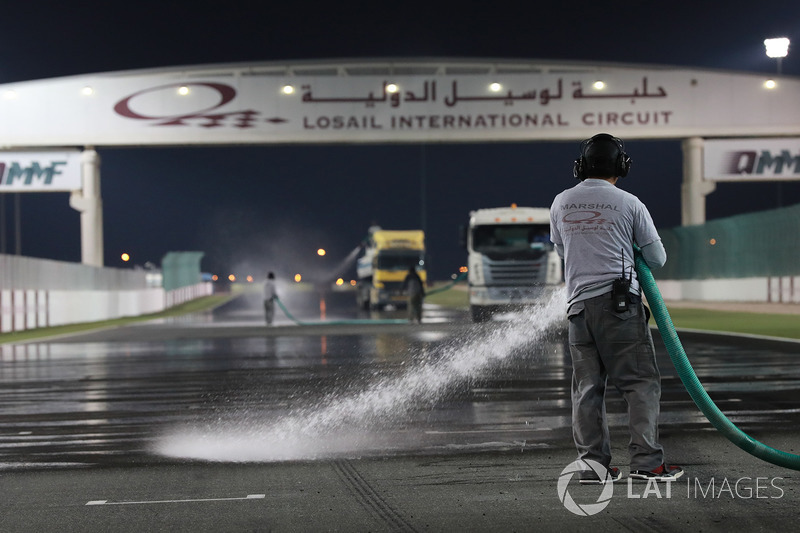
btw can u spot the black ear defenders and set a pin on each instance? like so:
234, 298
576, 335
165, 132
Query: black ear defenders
602, 156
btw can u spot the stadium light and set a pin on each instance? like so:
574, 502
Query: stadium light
777, 48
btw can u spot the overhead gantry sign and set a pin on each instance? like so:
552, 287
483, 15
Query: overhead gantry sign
390, 102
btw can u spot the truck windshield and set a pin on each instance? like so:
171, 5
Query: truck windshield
509, 238
399, 259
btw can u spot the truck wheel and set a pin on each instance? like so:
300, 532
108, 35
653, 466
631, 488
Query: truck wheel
479, 314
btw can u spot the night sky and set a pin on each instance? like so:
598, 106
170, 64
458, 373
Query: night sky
258, 208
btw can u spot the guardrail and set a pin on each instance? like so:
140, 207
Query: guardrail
36, 293
774, 289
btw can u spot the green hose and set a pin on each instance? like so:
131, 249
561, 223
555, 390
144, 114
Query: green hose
448, 286
338, 322
693, 385
368, 320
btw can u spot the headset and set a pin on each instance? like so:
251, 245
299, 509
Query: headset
602, 155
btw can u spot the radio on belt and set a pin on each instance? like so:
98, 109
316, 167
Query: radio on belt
620, 289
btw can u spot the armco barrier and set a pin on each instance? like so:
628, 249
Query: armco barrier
29, 309
782, 289
730, 259
736, 247
70, 307
37, 293
31, 273
184, 294
23, 309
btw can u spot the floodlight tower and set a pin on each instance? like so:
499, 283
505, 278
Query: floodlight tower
777, 48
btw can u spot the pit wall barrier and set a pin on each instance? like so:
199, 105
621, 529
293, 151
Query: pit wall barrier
185, 294
31, 273
753, 257
29, 309
37, 293
779, 289
765, 244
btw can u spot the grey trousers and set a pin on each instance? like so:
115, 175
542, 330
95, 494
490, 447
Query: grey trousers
616, 347
269, 310
415, 308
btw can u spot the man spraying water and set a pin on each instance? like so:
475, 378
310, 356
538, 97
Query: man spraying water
270, 293
594, 226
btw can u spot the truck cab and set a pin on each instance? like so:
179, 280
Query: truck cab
510, 259
381, 270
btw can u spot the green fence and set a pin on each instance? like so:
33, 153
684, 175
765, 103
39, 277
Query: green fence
760, 244
181, 269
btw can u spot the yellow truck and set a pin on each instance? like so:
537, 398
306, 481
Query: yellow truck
388, 256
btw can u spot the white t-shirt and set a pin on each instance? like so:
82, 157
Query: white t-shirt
270, 290
597, 224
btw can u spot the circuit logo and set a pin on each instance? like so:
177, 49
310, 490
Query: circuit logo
584, 509
207, 114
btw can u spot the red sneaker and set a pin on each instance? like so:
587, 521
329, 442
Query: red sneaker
662, 473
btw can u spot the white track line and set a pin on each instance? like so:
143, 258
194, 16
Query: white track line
106, 502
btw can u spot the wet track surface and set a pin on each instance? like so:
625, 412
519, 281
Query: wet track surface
141, 394
214, 422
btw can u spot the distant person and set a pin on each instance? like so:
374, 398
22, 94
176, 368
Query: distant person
270, 293
594, 227
373, 227
415, 290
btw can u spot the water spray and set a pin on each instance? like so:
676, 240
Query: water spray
343, 265
291, 317
692, 383
345, 422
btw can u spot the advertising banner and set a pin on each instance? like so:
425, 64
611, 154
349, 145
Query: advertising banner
40, 171
752, 159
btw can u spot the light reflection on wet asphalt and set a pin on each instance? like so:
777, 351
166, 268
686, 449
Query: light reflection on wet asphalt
106, 397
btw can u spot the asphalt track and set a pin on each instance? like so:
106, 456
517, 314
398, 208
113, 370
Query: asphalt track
171, 426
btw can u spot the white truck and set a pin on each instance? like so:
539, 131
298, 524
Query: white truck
510, 259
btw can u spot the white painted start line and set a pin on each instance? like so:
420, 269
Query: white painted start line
106, 502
